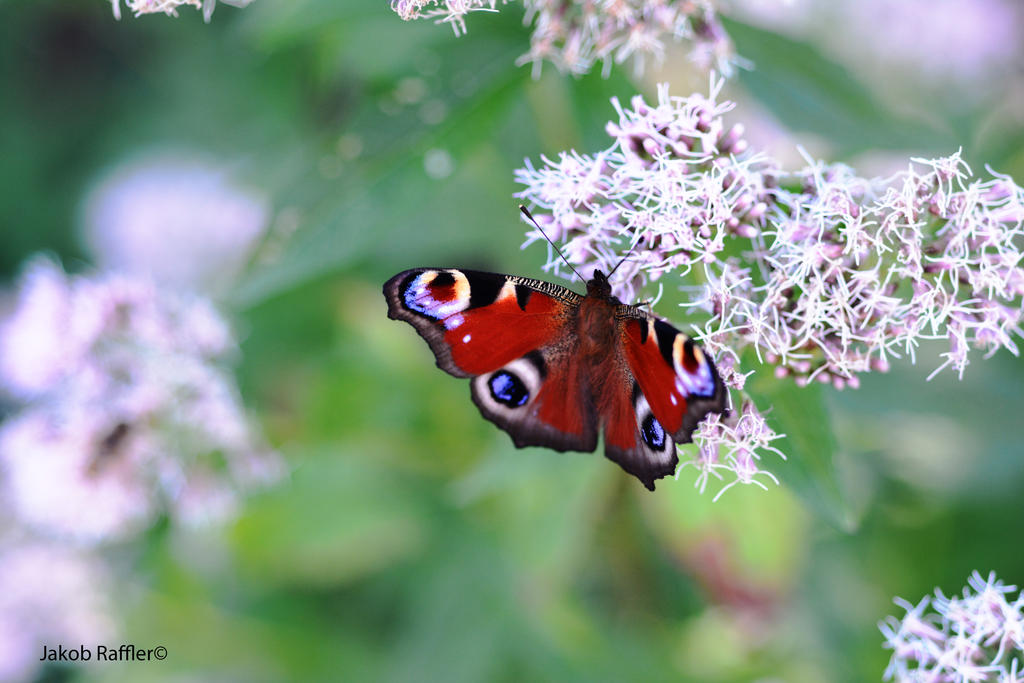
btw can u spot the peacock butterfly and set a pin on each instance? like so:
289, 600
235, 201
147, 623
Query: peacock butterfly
552, 367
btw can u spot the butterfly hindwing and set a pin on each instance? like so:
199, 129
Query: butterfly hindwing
633, 437
513, 336
541, 399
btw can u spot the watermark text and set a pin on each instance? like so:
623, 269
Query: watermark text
123, 652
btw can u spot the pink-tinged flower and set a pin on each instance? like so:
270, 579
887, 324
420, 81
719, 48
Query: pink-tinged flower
175, 219
37, 346
138, 418
575, 34
976, 638
170, 7
451, 12
733, 444
74, 476
823, 274
49, 594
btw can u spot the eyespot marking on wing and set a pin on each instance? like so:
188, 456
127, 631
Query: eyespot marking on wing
690, 360
652, 433
693, 372
437, 294
509, 389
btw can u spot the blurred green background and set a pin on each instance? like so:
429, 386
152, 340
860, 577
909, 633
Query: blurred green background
413, 542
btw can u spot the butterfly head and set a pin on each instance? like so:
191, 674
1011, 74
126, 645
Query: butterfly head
598, 286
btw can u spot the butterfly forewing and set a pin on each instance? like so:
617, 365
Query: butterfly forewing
677, 378
477, 322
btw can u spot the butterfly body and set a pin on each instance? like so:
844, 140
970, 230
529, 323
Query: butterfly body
555, 368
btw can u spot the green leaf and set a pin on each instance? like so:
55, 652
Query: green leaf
809, 444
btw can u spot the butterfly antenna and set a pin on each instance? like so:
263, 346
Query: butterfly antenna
526, 212
622, 260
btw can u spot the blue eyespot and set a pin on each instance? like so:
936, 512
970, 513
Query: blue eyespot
434, 294
653, 433
508, 389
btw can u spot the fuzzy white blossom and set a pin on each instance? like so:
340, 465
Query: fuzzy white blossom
823, 274
127, 410
119, 404
170, 7
733, 446
452, 12
971, 639
575, 34
177, 219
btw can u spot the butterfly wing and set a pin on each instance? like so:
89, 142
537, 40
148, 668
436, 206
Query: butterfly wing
633, 437
514, 337
676, 378
658, 389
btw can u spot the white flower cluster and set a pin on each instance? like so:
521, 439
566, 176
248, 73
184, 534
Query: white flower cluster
127, 414
170, 7
176, 218
575, 34
119, 408
973, 639
733, 446
672, 186
451, 12
834, 273
824, 274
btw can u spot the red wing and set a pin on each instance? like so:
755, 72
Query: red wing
633, 437
514, 337
541, 399
488, 337
477, 322
677, 378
